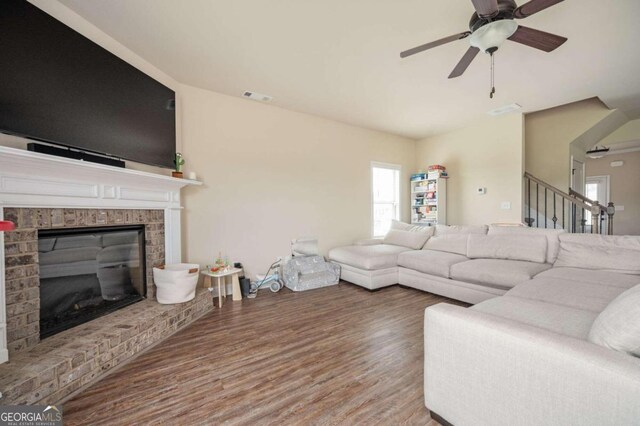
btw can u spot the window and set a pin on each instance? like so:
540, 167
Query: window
385, 182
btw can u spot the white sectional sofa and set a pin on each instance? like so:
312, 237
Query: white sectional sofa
562, 348
468, 263
553, 337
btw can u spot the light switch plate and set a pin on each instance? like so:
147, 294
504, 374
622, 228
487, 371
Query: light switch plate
505, 205
481, 190
619, 208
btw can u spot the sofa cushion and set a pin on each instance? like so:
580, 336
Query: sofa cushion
618, 326
615, 279
452, 243
526, 247
430, 261
460, 229
563, 320
496, 272
604, 252
411, 238
402, 226
374, 257
553, 242
575, 294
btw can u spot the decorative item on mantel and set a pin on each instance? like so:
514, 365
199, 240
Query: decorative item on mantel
6, 225
179, 162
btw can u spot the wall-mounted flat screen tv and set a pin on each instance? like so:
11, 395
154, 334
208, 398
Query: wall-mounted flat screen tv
59, 87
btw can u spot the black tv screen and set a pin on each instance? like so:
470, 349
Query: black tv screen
59, 87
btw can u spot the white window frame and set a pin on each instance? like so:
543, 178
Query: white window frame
391, 166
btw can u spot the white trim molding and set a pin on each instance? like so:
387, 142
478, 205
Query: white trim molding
29, 179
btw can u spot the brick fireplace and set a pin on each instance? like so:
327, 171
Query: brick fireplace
38, 193
21, 259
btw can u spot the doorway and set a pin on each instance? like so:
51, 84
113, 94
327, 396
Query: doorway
597, 189
577, 176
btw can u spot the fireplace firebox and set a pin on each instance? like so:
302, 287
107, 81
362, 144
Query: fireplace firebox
86, 273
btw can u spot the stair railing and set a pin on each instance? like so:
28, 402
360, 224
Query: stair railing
571, 206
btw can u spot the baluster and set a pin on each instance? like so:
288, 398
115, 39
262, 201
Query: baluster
611, 209
583, 222
529, 194
574, 213
555, 217
545, 208
563, 213
537, 205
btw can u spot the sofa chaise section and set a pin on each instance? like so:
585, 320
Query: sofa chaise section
369, 266
373, 263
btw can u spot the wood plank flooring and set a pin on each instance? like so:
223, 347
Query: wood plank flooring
338, 355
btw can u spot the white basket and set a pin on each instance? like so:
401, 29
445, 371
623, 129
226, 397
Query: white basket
175, 284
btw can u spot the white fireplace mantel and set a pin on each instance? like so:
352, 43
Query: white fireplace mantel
29, 179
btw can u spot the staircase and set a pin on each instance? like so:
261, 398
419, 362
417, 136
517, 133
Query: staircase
549, 207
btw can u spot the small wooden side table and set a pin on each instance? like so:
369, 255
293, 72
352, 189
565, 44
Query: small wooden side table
221, 282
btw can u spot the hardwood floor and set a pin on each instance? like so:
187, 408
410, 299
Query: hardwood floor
338, 355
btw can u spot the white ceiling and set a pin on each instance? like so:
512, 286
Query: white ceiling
340, 58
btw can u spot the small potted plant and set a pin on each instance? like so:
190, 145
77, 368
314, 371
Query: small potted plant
179, 162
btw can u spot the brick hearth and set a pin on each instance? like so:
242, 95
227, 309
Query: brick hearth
65, 363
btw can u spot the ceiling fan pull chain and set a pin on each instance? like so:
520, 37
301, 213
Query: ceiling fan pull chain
493, 86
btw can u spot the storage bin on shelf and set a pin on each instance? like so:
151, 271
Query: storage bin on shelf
176, 283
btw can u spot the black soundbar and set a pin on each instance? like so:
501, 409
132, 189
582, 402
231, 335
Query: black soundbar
76, 155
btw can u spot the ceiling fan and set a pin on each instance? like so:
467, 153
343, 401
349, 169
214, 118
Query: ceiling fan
492, 23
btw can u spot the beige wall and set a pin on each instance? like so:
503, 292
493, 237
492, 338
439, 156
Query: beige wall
488, 154
629, 132
272, 175
625, 189
549, 134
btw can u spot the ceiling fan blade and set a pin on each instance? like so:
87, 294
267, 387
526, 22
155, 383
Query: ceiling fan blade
537, 39
464, 63
486, 8
433, 44
533, 7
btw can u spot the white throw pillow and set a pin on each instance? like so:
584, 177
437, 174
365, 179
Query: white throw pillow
410, 236
618, 326
401, 226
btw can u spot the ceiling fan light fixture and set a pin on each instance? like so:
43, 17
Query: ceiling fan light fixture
492, 35
597, 152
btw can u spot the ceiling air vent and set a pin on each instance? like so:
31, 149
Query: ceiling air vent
257, 96
504, 110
